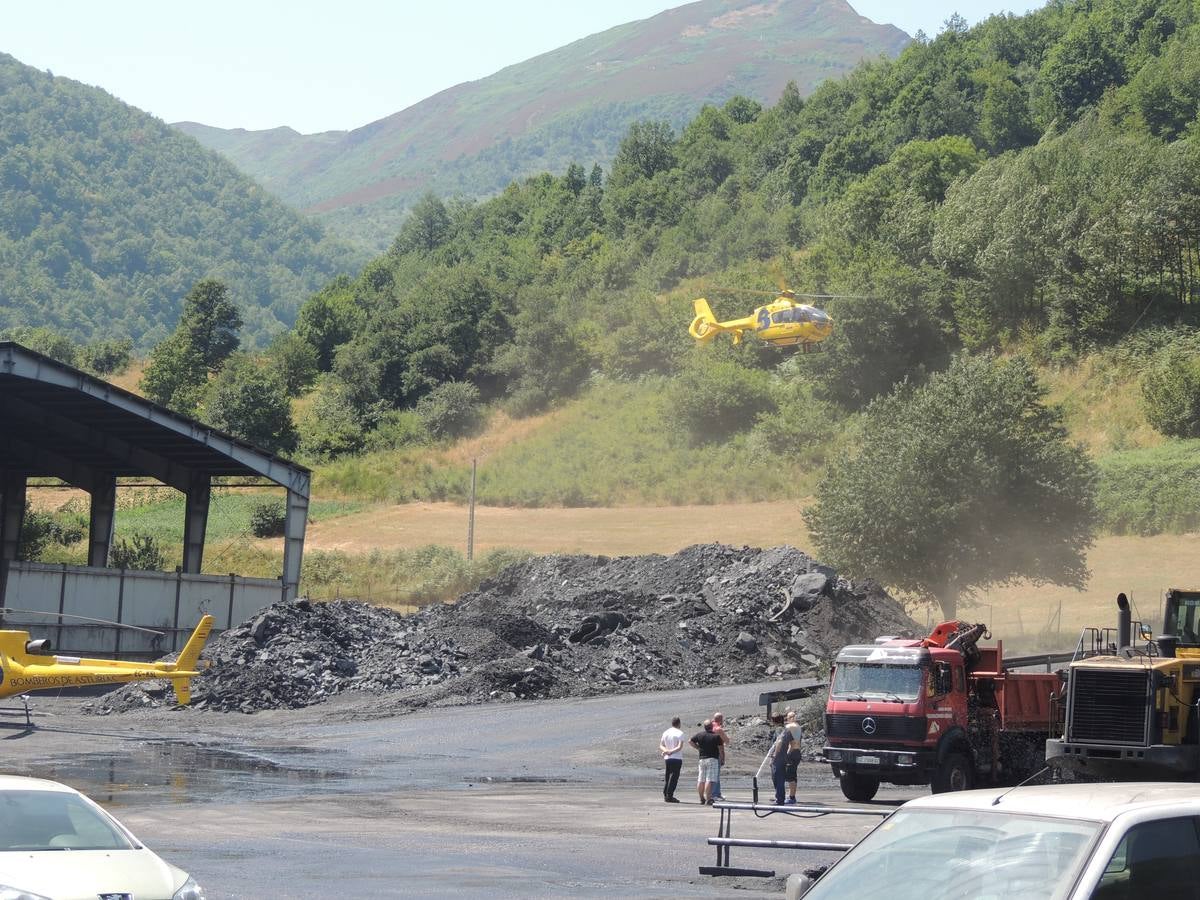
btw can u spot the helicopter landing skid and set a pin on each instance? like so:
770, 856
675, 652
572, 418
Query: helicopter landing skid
14, 712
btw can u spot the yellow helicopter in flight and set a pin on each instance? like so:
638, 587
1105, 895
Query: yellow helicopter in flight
28, 665
782, 323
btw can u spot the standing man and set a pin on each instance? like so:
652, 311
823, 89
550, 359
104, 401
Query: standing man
671, 747
779, 754
792, 761
709, 747
718, 728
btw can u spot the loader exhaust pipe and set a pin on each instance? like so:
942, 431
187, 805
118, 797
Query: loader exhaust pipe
1124, 621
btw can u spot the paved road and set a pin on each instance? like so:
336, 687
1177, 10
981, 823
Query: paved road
558, 798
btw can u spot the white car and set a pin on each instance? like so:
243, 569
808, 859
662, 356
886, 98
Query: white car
1055, 842
56, 844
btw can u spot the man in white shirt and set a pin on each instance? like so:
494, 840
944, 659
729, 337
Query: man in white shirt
671, 747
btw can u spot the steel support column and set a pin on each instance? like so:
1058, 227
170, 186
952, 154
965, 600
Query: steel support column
12, 513
294, 524
101, 519
195, 522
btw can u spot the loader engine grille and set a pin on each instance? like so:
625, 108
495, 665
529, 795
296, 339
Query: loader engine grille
868, 727
1110, 706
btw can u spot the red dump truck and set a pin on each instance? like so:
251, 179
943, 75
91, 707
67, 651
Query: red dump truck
941, 711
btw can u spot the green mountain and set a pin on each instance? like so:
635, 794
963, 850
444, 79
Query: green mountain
108, 216
569, 105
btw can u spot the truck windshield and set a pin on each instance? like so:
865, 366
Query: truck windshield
964, 855
877, 680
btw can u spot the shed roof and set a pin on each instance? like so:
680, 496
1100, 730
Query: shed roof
60, 422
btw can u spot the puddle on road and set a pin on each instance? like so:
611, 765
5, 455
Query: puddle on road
156, 772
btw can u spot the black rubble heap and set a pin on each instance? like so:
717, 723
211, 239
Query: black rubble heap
552, 626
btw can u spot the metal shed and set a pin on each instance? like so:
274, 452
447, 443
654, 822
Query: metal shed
59, 422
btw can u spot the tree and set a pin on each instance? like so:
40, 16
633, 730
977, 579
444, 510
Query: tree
175, 375
295, 360
210, 322
966, 482
1171, 388
205, 336
425, 229
251, 403
327, 319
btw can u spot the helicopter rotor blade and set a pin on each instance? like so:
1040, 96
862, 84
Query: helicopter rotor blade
38, 612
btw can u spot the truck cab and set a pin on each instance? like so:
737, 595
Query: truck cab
940, 711
896, 710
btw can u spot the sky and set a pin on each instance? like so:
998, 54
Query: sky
319, 66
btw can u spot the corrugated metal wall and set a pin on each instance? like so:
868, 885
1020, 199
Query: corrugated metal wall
168, 602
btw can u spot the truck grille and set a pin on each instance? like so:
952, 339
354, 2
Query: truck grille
1110, 706
886, 728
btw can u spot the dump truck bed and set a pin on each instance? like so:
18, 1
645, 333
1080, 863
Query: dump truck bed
1025, 700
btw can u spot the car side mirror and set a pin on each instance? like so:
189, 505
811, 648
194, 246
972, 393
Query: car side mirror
798, 886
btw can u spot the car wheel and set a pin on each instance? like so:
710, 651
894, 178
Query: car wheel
858, 787
954, 774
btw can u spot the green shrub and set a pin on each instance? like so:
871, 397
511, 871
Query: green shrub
1151, 491
142, 551
37, 530
714, 399
330, 427
108, 357
451, 410
1171, 389
398, 428
267, 518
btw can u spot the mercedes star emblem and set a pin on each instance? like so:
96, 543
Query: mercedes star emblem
868, 725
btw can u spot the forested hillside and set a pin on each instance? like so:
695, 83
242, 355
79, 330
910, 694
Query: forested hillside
569, 105
108, 217
1032, 180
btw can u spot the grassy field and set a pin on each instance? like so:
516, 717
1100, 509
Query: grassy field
1025, 616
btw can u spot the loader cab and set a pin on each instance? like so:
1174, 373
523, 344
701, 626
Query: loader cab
1182, 620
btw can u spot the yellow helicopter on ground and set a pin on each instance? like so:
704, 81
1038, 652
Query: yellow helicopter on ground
782, 323
28, 665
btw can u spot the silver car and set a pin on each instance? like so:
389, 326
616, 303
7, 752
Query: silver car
1054, 842
56, 844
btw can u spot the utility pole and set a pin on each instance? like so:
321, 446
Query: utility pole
471, 515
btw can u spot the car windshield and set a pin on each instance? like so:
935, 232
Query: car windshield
54, 820
901, 681
962, 855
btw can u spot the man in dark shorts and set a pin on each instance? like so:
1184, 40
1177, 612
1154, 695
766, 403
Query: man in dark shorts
709, 747
792, 760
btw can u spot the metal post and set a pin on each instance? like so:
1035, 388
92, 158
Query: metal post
471, 515
12, 514
102, 519
294, 524
195, 521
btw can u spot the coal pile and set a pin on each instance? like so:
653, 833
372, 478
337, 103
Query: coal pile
552, 626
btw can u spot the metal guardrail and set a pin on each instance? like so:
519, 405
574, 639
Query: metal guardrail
725, 841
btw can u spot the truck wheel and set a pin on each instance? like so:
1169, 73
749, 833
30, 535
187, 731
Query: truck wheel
954, 774
858, 787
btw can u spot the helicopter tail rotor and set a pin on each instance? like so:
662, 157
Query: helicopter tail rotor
704, 327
